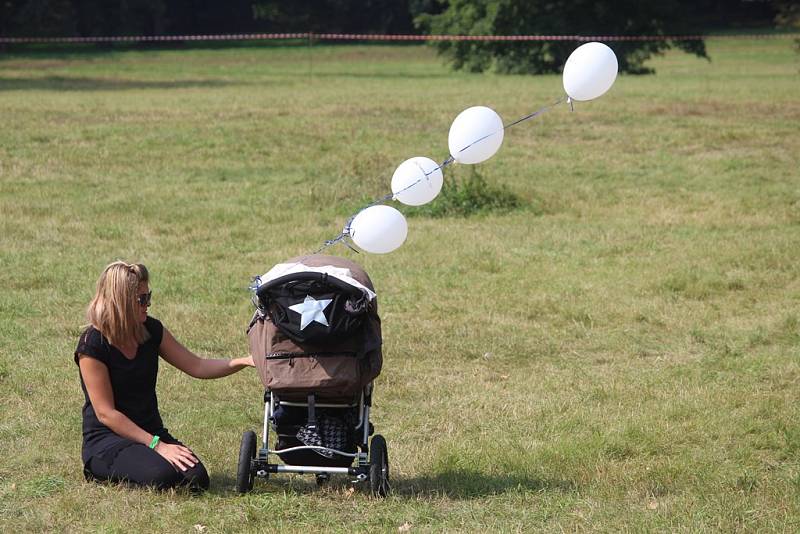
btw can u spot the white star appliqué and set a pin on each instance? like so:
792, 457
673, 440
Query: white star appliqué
311, 310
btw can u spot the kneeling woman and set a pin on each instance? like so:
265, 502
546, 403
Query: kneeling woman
124, 438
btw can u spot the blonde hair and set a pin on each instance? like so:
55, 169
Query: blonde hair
114, 310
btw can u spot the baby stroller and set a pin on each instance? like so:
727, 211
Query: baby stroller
315, 338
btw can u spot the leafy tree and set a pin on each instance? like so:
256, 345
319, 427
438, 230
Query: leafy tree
59, 18
788, 14
36, 17
557, 17
210, 16
128, 17
336, 16
789, 17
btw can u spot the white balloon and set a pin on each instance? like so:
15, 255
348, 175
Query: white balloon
379, 229
475, 135
590, 71
417, 181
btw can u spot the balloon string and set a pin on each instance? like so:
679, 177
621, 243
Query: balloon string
444, 164
535, 113
345, 235
341, 238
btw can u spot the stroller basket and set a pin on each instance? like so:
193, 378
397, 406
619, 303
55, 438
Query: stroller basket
336, 428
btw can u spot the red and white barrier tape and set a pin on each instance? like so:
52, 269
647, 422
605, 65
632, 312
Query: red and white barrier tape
368, 37
155, 38
377, 37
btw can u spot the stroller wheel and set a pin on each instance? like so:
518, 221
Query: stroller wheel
322, 479
247, 452
378, 467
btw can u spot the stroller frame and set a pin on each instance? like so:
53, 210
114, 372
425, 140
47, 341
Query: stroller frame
371, 460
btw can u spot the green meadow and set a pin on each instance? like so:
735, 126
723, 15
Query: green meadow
618, 352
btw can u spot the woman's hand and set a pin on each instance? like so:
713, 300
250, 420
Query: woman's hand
246, 361
177, 455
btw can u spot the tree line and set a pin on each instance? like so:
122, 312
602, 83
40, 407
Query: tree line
93, 18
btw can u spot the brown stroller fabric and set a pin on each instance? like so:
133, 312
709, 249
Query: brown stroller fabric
334, 368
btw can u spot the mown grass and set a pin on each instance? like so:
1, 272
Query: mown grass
619, 353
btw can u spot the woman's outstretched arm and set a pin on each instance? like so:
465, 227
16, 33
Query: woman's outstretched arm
191, 364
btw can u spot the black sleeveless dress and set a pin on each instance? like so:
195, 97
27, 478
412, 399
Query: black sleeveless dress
133, 383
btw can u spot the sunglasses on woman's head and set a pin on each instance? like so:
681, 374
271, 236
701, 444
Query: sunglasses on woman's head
144, 298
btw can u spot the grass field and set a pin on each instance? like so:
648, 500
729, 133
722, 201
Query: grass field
619, 354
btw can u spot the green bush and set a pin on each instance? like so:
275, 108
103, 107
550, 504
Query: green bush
469, 195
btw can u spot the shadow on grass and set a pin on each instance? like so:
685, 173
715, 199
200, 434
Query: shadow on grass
63, 83
224, 485
374, 75
472, 484
458, 485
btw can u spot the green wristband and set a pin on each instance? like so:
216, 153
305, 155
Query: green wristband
154, 442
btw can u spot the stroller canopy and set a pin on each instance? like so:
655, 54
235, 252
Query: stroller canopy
339, 268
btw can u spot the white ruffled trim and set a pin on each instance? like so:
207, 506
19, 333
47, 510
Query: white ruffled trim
340, 273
